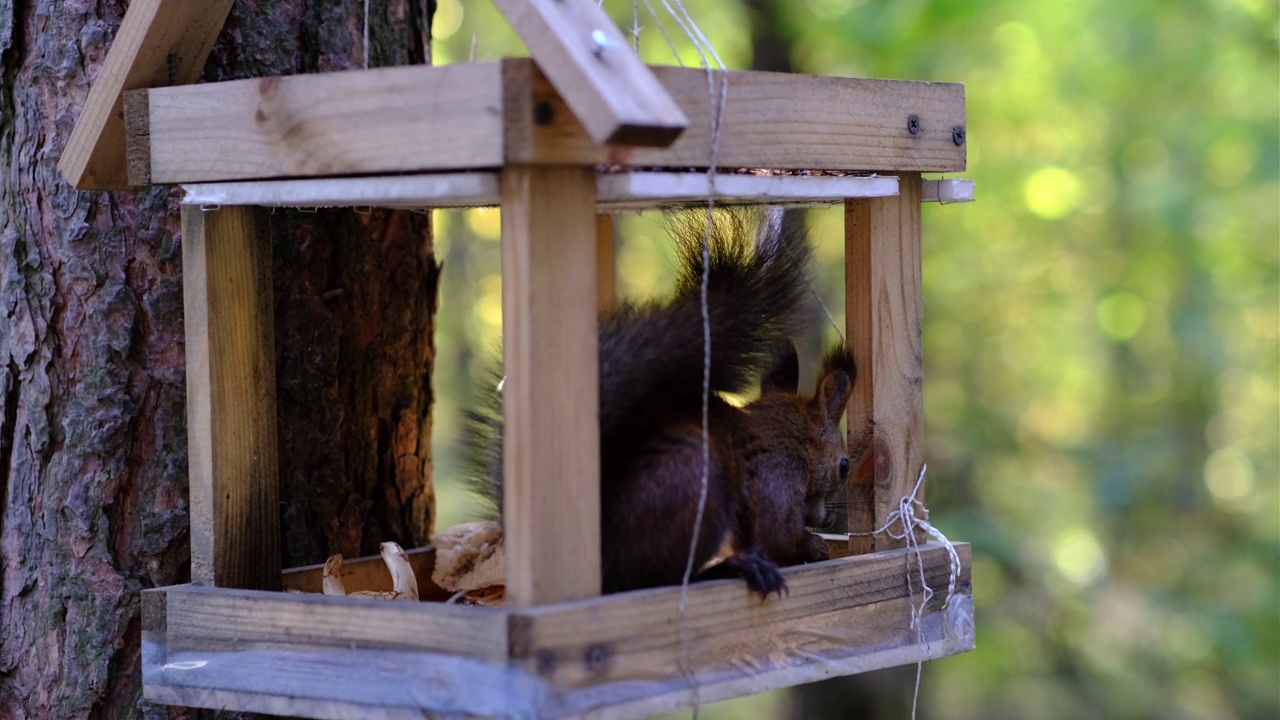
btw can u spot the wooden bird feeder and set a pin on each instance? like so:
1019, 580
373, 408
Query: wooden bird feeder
530, 135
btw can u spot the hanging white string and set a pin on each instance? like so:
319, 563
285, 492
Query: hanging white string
366, 34
827, 311
704, 49
901, 524
635, 27
662, 30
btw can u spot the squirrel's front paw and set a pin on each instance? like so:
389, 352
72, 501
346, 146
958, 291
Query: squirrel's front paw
815, 548
759, 571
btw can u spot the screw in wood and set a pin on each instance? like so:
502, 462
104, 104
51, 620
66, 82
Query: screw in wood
596, 657
957, 135
599, 42
542, 113
913, 124
546, 662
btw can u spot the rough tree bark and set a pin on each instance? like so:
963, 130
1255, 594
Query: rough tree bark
93, 491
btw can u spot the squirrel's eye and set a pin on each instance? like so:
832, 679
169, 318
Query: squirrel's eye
844, 468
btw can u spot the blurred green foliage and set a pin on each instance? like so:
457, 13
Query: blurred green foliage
1102, 333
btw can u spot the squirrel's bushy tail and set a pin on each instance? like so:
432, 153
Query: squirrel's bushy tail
652, 353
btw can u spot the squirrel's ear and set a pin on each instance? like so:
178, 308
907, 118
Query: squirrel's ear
835, 384
785, 374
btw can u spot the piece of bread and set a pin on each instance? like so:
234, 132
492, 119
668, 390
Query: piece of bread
469, 556
397, 562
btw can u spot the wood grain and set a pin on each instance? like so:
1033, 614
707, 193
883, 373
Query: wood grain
771, 120
551, 453
376, 683
884, 315
224, 619
587, 59
811, 649
791, 121
231, 399
137, 137
636, 636
341, 684
616, 656
159, 43
606, 276
361, 121
394, 120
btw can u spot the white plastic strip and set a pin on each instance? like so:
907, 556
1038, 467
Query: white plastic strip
947, 191
616, 192
470, 189
640, 190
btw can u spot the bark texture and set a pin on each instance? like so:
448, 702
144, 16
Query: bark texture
93, 490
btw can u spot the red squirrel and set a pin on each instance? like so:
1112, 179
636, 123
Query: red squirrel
775, 464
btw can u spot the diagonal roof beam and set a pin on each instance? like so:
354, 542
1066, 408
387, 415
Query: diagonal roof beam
160, 43
615, 97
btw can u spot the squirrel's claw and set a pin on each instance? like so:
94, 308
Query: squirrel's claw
760, 573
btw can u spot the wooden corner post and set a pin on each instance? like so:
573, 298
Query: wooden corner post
551, 455
883, 308
231, 399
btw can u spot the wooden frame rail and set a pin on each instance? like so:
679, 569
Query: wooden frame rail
388, 120
346, 657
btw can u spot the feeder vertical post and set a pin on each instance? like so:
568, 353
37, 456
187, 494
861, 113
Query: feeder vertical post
606, 281
231, 399
551, 453
884, 313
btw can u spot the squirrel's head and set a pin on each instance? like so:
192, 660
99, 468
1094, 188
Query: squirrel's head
817, 438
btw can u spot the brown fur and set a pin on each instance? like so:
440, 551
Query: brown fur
775, 466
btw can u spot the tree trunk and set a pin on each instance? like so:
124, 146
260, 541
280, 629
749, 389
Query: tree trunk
93, 491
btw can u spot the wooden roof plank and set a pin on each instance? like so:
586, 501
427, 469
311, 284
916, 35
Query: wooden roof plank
394, 120
614, 95
159, 42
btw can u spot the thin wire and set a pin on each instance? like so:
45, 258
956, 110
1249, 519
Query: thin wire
830, 317
635, 27
703, 47
912, 514
663, 32
366, 34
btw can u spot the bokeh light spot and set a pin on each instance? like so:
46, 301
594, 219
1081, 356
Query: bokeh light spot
489, 300
486, 223
1229, 160
1078, 556
1121, 315
1228, 475
1052, 192
1018, 43
447, 20
1144, 157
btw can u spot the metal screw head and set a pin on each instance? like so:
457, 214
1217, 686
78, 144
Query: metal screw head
599, 42
546, 662
543, 114
957, 135
596, 656
913, 124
